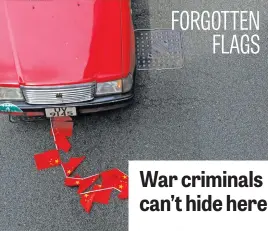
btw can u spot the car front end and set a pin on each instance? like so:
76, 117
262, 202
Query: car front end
47, 70
69, 100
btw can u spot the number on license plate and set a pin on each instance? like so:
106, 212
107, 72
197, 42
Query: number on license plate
61, 111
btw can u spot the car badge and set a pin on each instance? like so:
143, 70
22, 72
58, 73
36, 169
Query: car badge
59, 95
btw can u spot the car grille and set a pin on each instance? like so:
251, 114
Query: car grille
59, 94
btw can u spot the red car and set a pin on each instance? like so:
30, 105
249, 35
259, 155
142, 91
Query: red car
64, 58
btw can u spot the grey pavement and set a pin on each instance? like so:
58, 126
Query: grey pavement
214, 108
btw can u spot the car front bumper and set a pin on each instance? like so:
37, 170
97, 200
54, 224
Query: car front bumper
98, 104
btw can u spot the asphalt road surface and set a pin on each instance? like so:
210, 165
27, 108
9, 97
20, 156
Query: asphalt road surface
214, 108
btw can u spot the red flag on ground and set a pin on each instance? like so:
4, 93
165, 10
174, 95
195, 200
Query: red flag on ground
72, 164
64, 128
102, 195
62, 118
73, 181
123, 187
61, 123
117, 179
68, 132
86, 200
111, 178
47, 159
62, 143
86, 183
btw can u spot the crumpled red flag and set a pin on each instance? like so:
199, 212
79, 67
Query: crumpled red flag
73, 181
102, 195
98, 195
62, 126
123, 187
62, 143
86, 200
116, 179
62, 119
85, 183
72, 164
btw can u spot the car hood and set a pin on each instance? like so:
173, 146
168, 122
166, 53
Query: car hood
60, 42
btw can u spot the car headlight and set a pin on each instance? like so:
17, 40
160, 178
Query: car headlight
127, 83
7, 93
107, 88
115, 87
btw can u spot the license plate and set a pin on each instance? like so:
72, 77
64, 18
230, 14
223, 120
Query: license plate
61, 111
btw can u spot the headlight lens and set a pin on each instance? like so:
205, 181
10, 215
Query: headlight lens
7, 93
107, 88
115, 87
